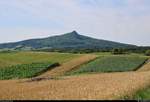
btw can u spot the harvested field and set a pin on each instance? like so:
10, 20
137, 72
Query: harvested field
94, 86
70, 65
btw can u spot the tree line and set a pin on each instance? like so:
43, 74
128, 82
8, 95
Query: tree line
115, 51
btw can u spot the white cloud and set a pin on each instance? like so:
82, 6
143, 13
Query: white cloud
97, 18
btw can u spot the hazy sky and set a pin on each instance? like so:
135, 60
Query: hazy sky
126, 21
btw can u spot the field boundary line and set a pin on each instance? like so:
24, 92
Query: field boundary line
65, 67
145, 67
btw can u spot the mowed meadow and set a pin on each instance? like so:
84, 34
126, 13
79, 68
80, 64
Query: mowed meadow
16, 65
94, 74
15, 58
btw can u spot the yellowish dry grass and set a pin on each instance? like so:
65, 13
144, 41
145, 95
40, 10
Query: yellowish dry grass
70, 65
145, 67
94, 86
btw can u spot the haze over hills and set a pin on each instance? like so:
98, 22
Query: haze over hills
72, 40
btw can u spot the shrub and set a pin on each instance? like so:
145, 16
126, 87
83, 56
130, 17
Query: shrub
147, 53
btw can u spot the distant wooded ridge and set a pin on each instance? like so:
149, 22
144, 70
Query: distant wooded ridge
70, 42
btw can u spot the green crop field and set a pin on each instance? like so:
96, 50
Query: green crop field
111, 64
15, 58
25, 70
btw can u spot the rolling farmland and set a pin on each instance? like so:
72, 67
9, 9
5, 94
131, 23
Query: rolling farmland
84, 87
70, 65
16, 65
111, 64
104, 55
25, 70
15, 58
54, 84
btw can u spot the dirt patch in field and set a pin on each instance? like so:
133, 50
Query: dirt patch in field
94, 86
65, 67
145, 67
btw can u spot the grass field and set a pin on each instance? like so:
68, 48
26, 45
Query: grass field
142, 94
15, 58
111, 64
25, 70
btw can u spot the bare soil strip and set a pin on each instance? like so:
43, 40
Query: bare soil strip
94, 86
145, 67
65, 67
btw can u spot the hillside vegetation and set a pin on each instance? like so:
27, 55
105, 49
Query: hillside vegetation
67, 41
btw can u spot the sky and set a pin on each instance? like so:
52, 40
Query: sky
126, 21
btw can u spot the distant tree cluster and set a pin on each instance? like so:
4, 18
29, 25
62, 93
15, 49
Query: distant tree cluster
138, 49
71, 50
118, 51
115, 51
